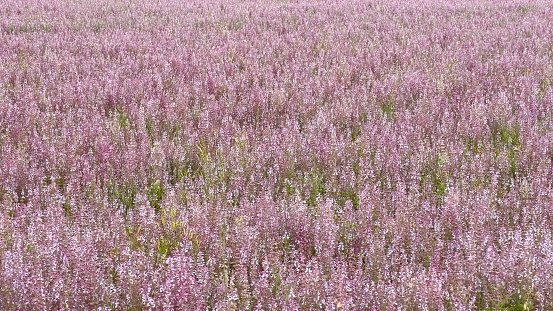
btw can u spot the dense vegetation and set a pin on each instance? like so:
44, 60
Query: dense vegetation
276, 155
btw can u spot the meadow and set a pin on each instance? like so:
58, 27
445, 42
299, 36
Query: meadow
276, 155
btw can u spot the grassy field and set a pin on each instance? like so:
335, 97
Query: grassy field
276, 155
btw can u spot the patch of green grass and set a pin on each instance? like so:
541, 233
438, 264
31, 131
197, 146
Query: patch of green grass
22, 194
124, 194
165, 246
67, 208
515, 303
316, 180
348, 194
473, 146
347, 236
506, 138
387, 107
133, 236
435, 174
150, 129
99, 27
176, 171
527, 8
60, 181
235, 24
155, 195
123, 118
505, 135
27, 28
544, 85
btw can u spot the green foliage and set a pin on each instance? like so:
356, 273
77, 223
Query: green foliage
506, 141
435, 174
27, 28
503, 134
99, 26
123, 118
356, 127
22, 194
203, 156
60, 180
276, 280
515, 303
320, 47
173, 234
289, 181
521, 301
348, 194
165, 246
544, 85
67, 208
150, 129
527, 8
133, 236
473, 146
115, 256
347, 234
155, 195
124, 194
176, 171
317, 184
235, 24
240, 145
387, 107
286, 244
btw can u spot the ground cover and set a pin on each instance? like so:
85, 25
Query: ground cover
276, 155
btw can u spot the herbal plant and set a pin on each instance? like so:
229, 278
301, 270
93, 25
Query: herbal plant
295, 155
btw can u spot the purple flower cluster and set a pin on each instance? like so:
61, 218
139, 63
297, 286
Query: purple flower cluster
276, 155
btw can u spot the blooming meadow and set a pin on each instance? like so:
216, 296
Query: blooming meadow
276, 155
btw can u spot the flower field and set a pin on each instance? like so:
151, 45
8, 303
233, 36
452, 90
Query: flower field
276, 155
